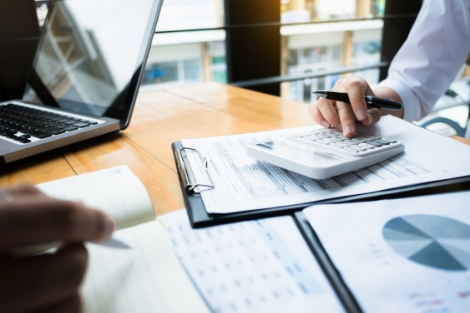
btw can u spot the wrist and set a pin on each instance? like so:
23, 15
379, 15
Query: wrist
388, 93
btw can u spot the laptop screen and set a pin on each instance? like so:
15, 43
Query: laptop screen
91, 56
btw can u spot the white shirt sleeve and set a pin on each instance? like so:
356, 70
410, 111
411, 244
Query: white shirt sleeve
431, 57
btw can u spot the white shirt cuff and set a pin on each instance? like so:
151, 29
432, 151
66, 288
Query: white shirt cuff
411, 105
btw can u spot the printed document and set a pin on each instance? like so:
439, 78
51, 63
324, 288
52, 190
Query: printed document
402, 255
255, 266
243, 183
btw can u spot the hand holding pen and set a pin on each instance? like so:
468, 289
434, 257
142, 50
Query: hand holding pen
48, 282
351, 101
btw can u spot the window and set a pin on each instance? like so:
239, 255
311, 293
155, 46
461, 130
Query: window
188, 36
317, 47
158, 73
265, 44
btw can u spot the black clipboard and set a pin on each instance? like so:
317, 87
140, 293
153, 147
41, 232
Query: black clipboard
334, 277
199, 217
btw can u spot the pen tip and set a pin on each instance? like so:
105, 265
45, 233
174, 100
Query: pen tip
320, 94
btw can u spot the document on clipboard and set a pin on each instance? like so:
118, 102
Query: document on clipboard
241, 184
253, 266
400, 255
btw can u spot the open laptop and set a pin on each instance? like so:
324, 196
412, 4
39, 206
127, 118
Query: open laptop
85, 76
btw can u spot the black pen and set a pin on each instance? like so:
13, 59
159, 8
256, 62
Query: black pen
377, 102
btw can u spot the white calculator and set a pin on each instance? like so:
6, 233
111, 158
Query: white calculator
323, 153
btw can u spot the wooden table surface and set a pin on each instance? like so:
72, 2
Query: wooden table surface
160, 118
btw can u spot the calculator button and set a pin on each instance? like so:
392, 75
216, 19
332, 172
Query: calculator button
375, 143
366, 145
389, 140
350, 150
383, 142
357, 148
338, 145
359, 145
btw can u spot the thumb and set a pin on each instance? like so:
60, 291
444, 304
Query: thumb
374, 115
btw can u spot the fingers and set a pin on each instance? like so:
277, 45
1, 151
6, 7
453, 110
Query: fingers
337, 114
22, 190
327, 109
334, 113
373, 116
356, 89
9, 194
38, 219
348, 121
48, 280
72, 304
344, 116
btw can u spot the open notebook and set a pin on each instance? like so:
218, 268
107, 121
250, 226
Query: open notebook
140, 273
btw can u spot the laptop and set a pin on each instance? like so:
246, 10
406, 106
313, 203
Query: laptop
85, 76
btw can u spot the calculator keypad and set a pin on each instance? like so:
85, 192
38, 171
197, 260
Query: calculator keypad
359, 145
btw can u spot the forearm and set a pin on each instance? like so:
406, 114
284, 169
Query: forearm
388, 93
429, 60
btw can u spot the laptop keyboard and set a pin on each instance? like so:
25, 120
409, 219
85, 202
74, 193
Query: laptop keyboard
24, 124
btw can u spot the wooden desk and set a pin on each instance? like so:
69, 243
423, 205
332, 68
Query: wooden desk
160, 118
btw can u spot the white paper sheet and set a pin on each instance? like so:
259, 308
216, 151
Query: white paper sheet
116, 191
243, 183
404, 255
146, 278
255, 266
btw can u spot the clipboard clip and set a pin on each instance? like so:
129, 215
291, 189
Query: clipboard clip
187, 174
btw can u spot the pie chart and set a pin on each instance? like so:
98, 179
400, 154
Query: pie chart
431, 240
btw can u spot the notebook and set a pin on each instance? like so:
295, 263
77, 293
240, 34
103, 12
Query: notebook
85, 76
136, 270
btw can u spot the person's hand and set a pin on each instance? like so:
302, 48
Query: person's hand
48, 282
343, 116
